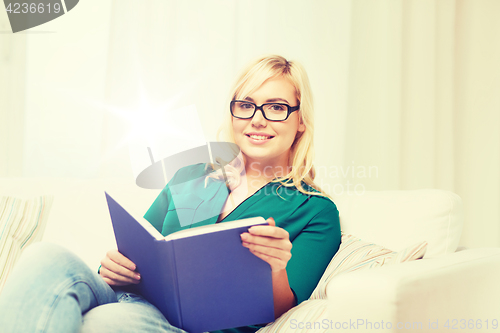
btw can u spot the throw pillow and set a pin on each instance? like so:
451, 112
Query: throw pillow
22, 222
355, 254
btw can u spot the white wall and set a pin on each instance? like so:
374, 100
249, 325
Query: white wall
81, 66
66, 77
407, 87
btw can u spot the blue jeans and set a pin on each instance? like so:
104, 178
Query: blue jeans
52, 290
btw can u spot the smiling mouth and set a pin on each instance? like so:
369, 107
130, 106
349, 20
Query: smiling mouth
260, 137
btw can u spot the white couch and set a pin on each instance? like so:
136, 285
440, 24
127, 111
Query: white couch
447, 291
79, 218
446, 288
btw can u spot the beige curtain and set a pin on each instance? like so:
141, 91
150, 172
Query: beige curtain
424, 102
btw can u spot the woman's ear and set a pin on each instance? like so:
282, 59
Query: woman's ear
302, 126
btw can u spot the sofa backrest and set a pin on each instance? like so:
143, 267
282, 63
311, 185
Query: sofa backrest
398, 219
79, 218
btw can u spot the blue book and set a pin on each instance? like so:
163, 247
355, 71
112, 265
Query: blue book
202, 279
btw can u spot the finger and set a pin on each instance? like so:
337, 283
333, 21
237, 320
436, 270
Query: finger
105, 272
279, 243
269, 231
275, 263
269, 251
114, 282
112, 266
121, 259
115, 278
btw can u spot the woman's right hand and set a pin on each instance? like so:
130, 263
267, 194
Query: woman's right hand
118, 270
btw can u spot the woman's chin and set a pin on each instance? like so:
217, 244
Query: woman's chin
260, 158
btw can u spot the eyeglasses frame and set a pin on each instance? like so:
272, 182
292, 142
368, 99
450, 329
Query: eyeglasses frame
290, 109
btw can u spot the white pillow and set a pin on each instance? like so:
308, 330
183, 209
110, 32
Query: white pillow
22, 222
355, 254
398, 219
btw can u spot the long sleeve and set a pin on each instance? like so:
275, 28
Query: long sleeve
312, 250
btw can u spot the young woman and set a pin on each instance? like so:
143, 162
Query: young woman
271, 121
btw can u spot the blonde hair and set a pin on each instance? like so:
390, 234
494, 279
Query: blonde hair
302, 149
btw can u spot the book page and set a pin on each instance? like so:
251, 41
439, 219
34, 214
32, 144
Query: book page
215, 227
149, 228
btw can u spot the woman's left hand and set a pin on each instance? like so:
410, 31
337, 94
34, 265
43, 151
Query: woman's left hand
270, 243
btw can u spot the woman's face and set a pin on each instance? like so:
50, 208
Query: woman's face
264, 141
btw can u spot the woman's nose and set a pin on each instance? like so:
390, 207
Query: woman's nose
258, 119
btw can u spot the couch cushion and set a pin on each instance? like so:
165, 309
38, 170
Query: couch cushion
398, 219
22, 222
308, 316
355, 254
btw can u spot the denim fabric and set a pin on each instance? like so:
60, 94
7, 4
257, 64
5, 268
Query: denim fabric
52, 290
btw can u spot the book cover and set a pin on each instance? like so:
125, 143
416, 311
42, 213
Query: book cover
202, 279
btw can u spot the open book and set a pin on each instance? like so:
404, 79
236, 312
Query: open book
201, 279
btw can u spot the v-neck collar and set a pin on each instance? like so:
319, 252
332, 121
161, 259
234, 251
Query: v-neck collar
210, 200
241, 203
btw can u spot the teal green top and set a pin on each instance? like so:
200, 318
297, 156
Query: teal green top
312, 221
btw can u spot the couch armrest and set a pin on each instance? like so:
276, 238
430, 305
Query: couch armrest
462, 287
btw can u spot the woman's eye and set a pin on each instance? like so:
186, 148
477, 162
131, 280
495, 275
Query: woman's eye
278, 107
246, 106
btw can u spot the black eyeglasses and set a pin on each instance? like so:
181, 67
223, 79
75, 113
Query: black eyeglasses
270, 111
